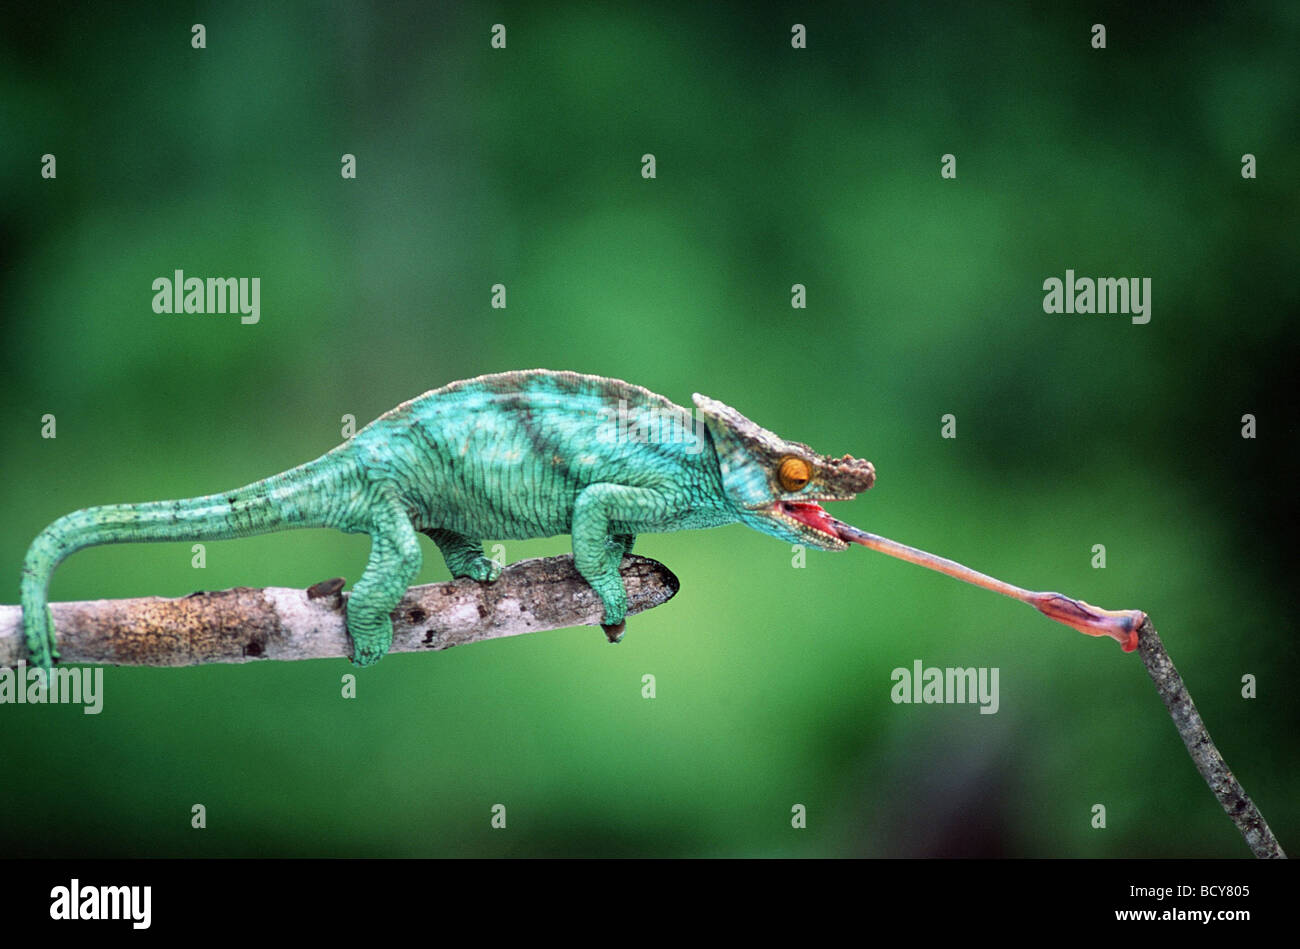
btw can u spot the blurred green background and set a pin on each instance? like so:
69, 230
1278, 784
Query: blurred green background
775, 166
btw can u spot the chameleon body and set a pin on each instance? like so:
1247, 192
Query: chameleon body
513, 455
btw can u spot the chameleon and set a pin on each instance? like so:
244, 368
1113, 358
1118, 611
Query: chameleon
512, 455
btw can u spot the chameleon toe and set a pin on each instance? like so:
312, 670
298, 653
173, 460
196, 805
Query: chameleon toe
614, 632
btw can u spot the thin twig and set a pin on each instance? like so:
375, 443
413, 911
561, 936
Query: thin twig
1240, 808
246, 624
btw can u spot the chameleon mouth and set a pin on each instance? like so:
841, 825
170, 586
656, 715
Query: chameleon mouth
814, 517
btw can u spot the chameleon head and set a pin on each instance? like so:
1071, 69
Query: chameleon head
775, 484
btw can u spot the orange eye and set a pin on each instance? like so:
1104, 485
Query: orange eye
794, 473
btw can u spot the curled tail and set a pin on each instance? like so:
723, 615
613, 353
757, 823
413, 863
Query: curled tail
306, 496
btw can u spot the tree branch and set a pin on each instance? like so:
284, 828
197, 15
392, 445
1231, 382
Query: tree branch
1240, 808
245, 624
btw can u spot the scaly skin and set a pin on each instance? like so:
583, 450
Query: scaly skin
511, 456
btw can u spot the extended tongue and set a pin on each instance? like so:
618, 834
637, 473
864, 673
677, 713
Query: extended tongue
1122, 625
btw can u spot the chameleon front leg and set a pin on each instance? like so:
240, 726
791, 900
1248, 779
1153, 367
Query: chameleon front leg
597, 552
395, 560
464, 557
625, 541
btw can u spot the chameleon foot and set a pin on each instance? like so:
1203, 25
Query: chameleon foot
367, 654
614, 632
481, 568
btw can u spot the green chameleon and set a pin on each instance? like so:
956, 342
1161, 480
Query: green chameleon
514, 455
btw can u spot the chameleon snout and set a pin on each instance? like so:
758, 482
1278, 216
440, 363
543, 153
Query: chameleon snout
850, 475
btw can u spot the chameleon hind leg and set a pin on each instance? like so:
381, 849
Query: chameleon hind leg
395, 560
464, 557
